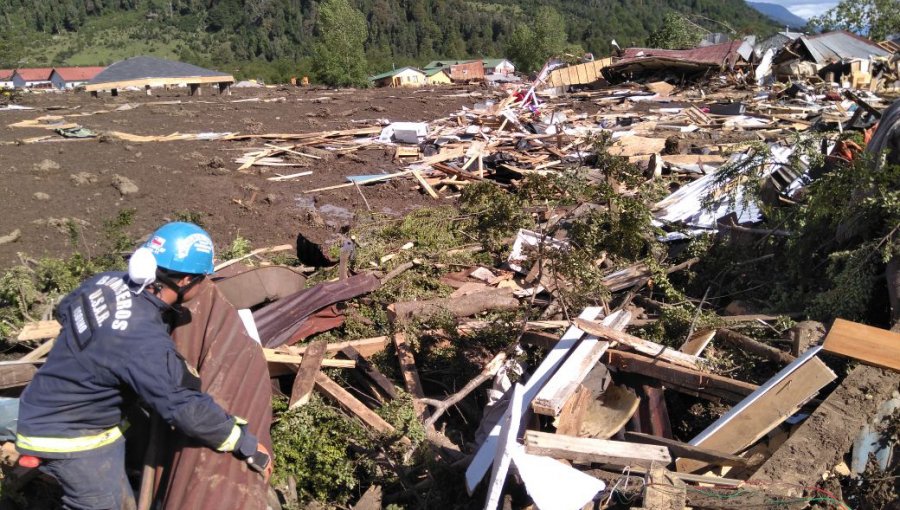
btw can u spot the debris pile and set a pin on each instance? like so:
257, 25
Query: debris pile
582, 314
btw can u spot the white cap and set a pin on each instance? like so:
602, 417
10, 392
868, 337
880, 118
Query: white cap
142, 268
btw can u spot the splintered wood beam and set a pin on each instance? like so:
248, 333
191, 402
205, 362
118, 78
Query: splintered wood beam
685, 450
365, 346
696, 343
553, 396
483, 458
600, 451
295, 359
370, 370
306, 374
351, 404
764, 409
874, 346
647, 347
39, 330
685, 380
410, 374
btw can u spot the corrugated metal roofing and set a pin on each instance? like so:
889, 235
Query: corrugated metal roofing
717, 54
840, 45
138, 68
278, 322
233, 370
392, 72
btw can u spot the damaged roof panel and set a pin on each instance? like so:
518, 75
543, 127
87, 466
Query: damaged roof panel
234, 372
840, 45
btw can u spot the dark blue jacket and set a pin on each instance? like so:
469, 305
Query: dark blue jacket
113, 339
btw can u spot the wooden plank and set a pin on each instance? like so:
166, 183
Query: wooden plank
351, 404
306, 374
647, 347
39, 330
504, 450
371, 371
601, 451
158, 82
422, 182
693, 382
483, 458
680, 449
662, 491
15, 376
822, 440
41, 351
593, 412
874, 346
763, 410
550, 400
273, 356
695, 344
365, 346
410, 374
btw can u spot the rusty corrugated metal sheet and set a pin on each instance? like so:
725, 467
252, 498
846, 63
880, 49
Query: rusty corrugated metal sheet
467, 71
717, 55
234, 371
258, 285
278, 322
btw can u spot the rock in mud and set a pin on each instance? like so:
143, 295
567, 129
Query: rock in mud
125, 185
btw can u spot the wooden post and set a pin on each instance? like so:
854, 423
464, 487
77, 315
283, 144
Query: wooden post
224, 89
147, 90
195, 90
306, 374
114, 92
95, 93
410, 374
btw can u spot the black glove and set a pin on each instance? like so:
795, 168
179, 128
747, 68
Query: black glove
259, 461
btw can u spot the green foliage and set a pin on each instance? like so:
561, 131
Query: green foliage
530, 45
876, 19
186, 215
493, 214
314, 443
239, 247
275, 39
676, 33
401, 414
340, 59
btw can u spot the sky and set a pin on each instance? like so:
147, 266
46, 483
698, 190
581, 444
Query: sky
804, 8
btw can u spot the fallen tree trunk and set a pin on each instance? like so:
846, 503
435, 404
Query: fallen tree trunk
465, 306
755, 347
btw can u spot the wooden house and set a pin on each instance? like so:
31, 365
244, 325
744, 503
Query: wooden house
403, 77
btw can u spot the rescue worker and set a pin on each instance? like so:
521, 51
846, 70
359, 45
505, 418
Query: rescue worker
115, 346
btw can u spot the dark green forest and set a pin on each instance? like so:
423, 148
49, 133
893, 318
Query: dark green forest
276, 37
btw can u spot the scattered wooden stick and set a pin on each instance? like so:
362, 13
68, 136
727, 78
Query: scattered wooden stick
441, 406
260, 251
754, 346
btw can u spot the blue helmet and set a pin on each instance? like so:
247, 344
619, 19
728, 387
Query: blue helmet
182, 248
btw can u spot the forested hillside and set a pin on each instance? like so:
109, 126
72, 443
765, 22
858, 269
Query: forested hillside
275, 37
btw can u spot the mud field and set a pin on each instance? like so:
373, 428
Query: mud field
46, 183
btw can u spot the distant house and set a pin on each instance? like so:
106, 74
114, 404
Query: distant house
33, 78
460, 70
498, 66
71, 77
437, 76
6, 81
403, 77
